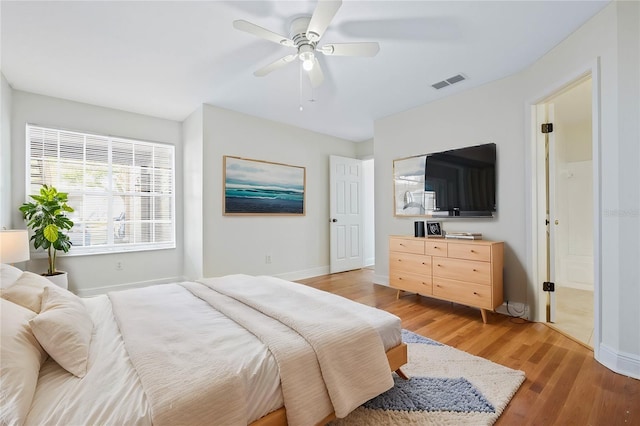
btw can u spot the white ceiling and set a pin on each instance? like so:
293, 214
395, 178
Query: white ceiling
165, 59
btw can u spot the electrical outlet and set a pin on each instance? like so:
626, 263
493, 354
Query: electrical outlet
267, 259
118, 266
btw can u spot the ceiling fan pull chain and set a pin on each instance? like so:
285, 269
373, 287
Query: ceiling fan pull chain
300, 87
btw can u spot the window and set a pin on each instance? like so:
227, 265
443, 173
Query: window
122, 190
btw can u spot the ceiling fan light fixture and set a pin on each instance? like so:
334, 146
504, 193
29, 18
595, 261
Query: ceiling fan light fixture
307, 64
307, 56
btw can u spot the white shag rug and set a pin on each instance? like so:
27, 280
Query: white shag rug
447, 387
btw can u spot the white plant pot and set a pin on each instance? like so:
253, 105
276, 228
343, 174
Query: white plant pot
60, 279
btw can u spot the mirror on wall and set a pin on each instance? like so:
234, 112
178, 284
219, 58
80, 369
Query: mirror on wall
408, 183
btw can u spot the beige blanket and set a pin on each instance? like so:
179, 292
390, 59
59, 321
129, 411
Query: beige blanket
313, 342
303, 390
350, 353
167, 347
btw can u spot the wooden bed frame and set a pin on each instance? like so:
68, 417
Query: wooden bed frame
397, 357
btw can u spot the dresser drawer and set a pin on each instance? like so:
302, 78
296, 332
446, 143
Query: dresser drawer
435, 248
411, 263
406, 245
470, 252
464, 293
410, 282
462, 270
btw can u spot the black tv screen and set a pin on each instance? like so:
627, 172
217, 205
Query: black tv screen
462, 182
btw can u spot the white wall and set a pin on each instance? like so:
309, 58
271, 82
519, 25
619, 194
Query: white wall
500, 112
298, 245
368, 213
88, 274
491, 113
192, 137
5, 153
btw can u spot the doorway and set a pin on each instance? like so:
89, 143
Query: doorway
569, 208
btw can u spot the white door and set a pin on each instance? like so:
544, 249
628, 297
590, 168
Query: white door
345, 218
571, 204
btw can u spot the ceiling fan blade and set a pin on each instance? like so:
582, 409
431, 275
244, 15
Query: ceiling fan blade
275, 65
321, 18
315, 75
258, 31
351, 49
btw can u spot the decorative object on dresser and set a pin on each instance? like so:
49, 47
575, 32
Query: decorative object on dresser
434, 229
462, 271
418, 229
464, 235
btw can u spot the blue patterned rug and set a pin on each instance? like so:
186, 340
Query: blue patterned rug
446, 387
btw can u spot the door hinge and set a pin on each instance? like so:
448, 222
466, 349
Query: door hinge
547, 127
548, 286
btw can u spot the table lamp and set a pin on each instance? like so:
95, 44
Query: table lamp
14, 245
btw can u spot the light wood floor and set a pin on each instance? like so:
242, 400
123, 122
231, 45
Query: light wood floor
564, 385
574, 313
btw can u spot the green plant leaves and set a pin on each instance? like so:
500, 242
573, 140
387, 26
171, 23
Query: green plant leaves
46, 216
51, 233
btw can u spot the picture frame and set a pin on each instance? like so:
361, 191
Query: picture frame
256, 187
434, 229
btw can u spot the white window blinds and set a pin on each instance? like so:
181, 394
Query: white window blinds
122, 190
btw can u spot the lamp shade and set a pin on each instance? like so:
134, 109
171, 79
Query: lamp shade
14, 245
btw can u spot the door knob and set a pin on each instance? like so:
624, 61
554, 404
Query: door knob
556, 222
334, 220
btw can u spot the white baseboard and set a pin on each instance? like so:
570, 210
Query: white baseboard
307, 273
89, 292
381, 279
621, 362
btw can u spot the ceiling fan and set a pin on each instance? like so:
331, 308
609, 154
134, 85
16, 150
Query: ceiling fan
304, 35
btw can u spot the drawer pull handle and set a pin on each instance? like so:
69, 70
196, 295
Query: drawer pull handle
475, 270
472, 251
475, 293
439, 265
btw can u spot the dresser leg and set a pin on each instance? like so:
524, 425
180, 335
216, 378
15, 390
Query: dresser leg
484, 315
398, 295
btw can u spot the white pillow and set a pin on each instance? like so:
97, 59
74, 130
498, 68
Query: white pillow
8, 275
64, 329
22, 357
27, 291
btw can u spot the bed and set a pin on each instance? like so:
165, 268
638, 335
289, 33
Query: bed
230, 350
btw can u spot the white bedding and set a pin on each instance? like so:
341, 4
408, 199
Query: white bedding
111, 392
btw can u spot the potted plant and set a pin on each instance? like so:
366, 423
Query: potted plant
46, 215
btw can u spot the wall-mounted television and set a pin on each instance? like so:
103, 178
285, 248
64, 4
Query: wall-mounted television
461, 182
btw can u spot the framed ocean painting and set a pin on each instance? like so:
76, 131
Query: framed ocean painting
255, 187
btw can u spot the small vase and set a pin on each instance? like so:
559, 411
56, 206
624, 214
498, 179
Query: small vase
60, 279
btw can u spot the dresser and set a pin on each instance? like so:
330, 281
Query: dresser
468, 272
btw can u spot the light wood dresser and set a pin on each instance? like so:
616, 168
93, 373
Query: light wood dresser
468, 272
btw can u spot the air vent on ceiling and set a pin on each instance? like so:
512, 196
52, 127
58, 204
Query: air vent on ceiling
449, 81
